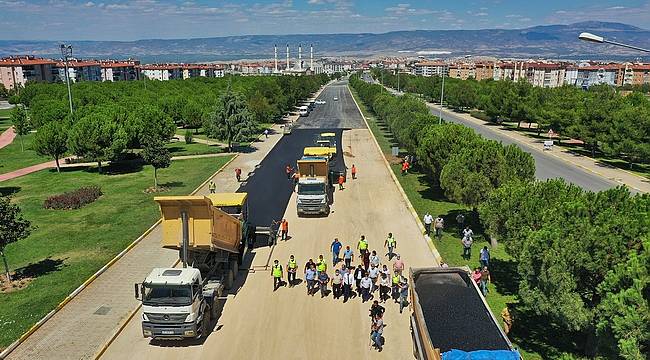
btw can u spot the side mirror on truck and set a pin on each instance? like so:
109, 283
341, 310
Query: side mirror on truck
137, 291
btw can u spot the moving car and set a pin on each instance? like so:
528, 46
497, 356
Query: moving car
303, 110
336, 99
320, 102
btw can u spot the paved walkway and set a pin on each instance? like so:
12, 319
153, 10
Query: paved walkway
7, 137
623, 177
90, 319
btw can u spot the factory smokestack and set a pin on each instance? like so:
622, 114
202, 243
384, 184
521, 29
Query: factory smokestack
287, 56
275, 56
311, 57
299, 57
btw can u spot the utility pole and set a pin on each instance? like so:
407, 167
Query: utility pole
442, 95
66, 51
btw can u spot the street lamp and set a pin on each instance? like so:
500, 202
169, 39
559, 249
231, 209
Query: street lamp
66, 51
442, 91
585, 36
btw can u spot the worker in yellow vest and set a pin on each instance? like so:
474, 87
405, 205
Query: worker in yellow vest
321, 265
276, 272
213, 187
292, 268
362, 245
391, 243
395, 286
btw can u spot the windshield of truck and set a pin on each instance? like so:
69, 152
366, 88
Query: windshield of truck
167, 295
311, 189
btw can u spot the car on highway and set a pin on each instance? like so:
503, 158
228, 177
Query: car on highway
303, 110
336, 99
320, 102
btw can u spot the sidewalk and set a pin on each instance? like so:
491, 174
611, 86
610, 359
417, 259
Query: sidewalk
91, 318
621, 176
7, 137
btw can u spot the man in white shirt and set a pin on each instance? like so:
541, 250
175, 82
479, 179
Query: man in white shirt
366, 283
467, 232
439, 224
428, 220
348, 282
373, 274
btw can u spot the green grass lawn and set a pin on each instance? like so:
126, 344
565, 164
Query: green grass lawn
4, 113
425, 198
196, 133
13, 158
5, 123
180, 148
70, 245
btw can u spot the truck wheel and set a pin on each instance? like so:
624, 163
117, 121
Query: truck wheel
234, 266
230, 279
213, 309
205, 324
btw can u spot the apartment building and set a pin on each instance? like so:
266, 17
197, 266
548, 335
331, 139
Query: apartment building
610, 74
16, 71
191, 70
79, 70
115, 70
162, 72
636, 74
431, 68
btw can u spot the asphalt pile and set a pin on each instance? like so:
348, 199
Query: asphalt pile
455, 314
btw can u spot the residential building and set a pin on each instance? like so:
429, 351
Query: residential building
191, 70
636, 74
462, 71
484, 70
116, 70
431, 68
16, 71
79, 70
162, 72
610, 74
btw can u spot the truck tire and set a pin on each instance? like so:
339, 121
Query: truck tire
232, 273
205, 324
234, 266
213, 308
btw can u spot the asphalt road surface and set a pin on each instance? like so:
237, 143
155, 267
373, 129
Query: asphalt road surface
341, 113
257, 322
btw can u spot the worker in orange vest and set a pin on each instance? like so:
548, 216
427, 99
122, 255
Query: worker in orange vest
405, 167
341, 180
284, 229
354, 172
289, 170
238, 174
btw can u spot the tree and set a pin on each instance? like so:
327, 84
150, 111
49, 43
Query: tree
18, 117
231, 119
4, 93
13, 227
192, 115
51, 140
97, 137
157, 155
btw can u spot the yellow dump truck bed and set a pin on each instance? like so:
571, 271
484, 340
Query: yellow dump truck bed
210, 228
319, 151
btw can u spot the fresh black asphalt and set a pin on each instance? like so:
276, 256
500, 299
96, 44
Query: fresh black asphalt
455, 314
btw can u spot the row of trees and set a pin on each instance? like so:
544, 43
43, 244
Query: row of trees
583, 258
111, 118
466, 165
607, 122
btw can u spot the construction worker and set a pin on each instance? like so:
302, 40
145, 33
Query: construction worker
284, 229
341, 181
395, 284
292, 268
354, 172
362, 245
212, 186
238, 174
321, 265
391, 243
296, 177
276, 272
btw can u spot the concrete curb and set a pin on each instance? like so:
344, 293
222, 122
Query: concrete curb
427, 240
92, 278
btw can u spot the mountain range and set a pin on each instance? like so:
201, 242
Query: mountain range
548, 41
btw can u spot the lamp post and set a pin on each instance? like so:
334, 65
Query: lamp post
442, 95
585, 36
66, 51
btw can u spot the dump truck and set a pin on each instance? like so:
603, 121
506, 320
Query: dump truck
327, 139
450, 319
313, 193
211, 234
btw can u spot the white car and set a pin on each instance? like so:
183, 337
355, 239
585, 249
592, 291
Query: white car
320, 102
336, 99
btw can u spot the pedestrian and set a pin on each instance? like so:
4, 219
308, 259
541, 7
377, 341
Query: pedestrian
212, 187
362, 245
398, 266
309, 264
321, 265
276, 273
296, 177
376, 309
366, 285
354, 172
405, 167
365, 259
428, 219
444, 265
373, 274
310, 278
377, 330
439, 224
266, 133
484, 258
358, 275
384, 287
284, 226
341, 181
507, 320
336, 250
384, 270
395, 279
348, 256
485, 280
348, 281
403, 295
374, 259
467, 231
391, 244
288, 170
238, 174
323, 279
292, 268
337, 283
467, 247
476, 276
460, 219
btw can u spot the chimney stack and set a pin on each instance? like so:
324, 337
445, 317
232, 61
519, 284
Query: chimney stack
275, 56
299, 57
311, 57
287, 57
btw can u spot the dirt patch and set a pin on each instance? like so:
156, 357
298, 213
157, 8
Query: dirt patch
15, 285
394, 159
154, 190
348, 154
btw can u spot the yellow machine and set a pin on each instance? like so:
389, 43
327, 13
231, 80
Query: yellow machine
328, 152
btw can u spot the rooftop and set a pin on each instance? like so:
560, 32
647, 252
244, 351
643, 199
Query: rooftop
25, 60
176, 276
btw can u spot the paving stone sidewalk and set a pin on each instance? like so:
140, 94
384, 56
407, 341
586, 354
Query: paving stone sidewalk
7, 137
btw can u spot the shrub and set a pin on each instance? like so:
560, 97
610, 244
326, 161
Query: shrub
480, 115
73, 199
188, 137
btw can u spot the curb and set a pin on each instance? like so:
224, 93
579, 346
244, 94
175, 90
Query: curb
427, 240
92, 278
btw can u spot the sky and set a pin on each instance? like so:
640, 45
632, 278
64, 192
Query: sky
164, 19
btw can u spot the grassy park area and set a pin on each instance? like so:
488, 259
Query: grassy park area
68, 246
180, 148
13, 158
425, 198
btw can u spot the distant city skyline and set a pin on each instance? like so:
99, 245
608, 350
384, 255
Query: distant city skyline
165, 19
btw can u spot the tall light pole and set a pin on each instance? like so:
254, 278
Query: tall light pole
585, 36
442, 95
66, 51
